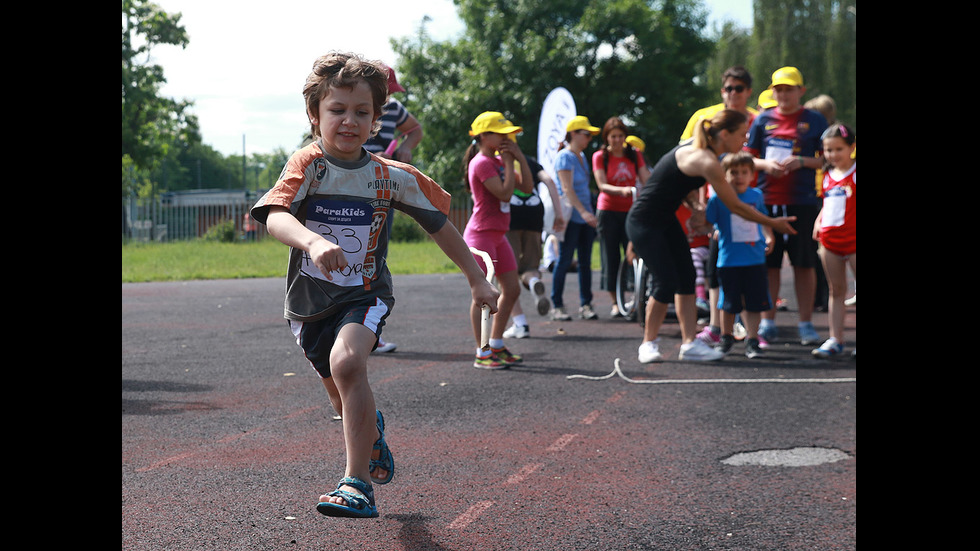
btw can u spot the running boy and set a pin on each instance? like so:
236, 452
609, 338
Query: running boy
330, 206
742, 249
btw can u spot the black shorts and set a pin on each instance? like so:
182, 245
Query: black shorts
667, 255
317, 338
801, 248
744, 287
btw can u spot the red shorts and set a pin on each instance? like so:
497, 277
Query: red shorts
495, 244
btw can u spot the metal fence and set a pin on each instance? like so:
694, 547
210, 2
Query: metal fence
192, 214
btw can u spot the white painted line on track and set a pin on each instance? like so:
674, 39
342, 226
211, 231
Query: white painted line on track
471, 514
560, 444
525, 472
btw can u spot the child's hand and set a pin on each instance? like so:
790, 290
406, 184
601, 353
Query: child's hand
560, 223
327, 257
508, 150
774, 169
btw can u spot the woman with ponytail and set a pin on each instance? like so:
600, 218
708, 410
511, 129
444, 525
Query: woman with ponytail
658, 238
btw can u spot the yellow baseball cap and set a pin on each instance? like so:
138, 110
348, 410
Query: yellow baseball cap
765, 99
636, 142
580, 122
787, 75
493, 121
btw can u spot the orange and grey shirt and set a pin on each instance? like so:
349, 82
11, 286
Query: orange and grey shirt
348, 203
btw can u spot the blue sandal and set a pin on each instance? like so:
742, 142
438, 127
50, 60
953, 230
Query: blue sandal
385, 461
359, 505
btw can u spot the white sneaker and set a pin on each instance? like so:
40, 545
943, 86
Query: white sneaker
385, 347
587, 313
738, 331
517, 332
542, 302
649, 352
697, 351
559, 314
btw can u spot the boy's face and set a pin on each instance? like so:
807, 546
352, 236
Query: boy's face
739, 176
345, 117
787, 97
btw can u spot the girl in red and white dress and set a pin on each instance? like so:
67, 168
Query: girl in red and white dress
836, 228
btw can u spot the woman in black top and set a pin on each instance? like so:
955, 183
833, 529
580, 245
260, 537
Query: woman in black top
657, 236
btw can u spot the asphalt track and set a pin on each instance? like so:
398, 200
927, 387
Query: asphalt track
228, 438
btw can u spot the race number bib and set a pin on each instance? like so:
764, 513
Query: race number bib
778, 149
744, 231
834, 207
347, 224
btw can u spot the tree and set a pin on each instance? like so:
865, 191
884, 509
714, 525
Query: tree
152, 126
617, 58
816, 36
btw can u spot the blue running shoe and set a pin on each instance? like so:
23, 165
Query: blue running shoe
808, 335
829, 349
768, 331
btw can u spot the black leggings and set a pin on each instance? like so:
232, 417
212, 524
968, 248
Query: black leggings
666, 254
612, 245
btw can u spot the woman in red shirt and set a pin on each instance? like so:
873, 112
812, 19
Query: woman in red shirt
616, 166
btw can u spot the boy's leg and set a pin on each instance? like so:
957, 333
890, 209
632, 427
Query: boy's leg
348, 368
751, 320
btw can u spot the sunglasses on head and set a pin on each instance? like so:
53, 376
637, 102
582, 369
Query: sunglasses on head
737, 88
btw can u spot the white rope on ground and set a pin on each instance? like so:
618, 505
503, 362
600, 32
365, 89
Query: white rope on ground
618, 371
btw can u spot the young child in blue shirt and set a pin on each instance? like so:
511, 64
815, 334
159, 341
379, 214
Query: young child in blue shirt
742, 249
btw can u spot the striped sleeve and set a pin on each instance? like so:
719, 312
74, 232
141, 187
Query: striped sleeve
302, 168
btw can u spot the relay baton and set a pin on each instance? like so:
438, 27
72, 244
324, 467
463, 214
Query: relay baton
487, 320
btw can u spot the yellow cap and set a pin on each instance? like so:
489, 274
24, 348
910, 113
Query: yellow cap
636, 142
493, 121
580, 122
787, 75
765, 99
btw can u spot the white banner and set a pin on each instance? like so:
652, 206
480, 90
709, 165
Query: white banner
558, 109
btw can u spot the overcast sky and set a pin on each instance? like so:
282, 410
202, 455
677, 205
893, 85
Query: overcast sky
247, 60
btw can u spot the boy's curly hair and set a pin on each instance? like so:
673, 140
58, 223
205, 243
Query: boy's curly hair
344, 70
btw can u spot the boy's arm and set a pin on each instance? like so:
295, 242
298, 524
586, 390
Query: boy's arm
458, 251
770, 238
285, 227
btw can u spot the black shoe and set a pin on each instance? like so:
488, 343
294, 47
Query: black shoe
752, 349
725, 344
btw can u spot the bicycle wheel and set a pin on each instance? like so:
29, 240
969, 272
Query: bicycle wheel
643, 287
626, 290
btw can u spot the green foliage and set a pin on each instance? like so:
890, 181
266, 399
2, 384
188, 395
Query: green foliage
616, 57
153, 127
406, 230
816, 36
223, 232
